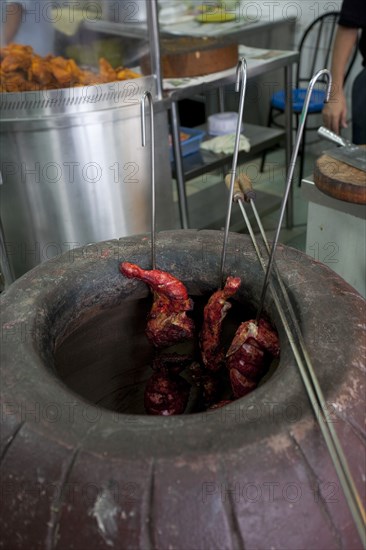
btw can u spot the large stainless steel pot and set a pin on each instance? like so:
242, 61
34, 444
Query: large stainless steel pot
74, 170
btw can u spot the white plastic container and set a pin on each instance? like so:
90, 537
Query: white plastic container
220, 124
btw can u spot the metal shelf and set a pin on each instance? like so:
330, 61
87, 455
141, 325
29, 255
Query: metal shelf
260, 137
206, 208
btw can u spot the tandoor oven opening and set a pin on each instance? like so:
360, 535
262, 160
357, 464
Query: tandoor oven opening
109, 361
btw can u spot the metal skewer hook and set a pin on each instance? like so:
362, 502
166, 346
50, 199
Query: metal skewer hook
241, 76
289, 177
147, 95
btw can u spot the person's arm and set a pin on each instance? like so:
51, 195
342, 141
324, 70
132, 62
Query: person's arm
13, 20
335, 112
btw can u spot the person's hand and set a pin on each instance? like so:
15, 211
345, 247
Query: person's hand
335, 113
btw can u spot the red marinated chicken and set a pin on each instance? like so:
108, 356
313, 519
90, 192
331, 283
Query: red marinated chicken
215, 311
166, 394
171, 363
208, 383
253, 347
168, 322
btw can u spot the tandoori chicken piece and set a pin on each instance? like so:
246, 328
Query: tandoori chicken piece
207, 382
215, 311
168, 322
173, 363
252, 349
166, 394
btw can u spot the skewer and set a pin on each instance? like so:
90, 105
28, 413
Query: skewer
147, 95
289, 177
241, 75
243, 192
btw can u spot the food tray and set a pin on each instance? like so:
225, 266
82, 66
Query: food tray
191, 144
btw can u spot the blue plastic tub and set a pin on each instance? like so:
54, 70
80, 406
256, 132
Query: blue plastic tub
191, 144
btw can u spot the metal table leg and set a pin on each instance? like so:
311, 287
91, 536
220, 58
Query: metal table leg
288, 145
181, 185
221, 93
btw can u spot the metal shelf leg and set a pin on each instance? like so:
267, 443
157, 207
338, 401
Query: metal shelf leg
181, 184
288, 145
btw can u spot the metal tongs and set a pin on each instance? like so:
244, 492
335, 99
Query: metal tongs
241, 191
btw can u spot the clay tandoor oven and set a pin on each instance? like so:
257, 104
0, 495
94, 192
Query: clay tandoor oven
83, 467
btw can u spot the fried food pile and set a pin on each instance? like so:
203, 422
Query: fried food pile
22, 70
239, 366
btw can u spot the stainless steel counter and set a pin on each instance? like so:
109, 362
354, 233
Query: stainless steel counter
336, 234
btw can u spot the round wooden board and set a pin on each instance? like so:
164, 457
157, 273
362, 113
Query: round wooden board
340, 180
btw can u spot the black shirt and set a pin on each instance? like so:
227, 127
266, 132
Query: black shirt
353, 15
